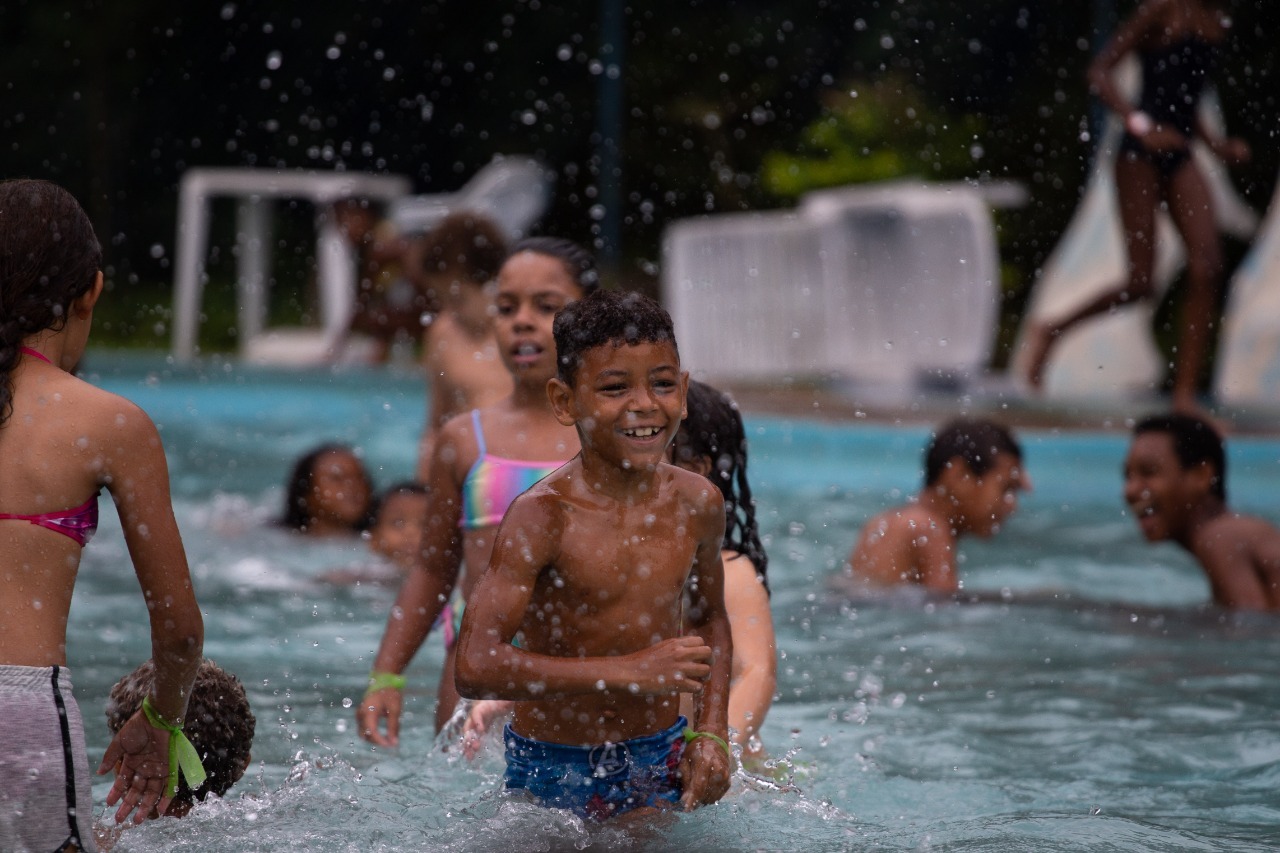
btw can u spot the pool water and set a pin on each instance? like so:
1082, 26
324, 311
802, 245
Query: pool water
1088, 701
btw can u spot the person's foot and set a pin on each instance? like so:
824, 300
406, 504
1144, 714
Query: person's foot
1040, 340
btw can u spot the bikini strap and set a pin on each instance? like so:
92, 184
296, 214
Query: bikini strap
34, 353
475, 423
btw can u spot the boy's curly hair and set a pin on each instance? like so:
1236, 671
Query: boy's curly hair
607, 317
977, 441
468, 242
219, 723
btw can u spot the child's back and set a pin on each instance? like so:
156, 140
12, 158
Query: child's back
973, 473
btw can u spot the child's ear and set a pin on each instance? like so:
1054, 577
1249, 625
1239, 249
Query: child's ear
1201, 476
560, 395
84, 302
684, 394
955, 473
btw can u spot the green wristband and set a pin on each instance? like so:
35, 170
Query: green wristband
690, 736
383, 680
182, 753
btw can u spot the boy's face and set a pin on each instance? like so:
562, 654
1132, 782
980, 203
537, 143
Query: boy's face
397, 533
627, 402
531, 289
1158, 490
986, 501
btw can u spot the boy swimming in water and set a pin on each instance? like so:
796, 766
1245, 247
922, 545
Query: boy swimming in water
1175, 478
591, 568
973, 473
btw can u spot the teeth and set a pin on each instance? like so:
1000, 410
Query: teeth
643, 432
527, 349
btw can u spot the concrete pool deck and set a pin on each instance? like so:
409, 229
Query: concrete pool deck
840, 401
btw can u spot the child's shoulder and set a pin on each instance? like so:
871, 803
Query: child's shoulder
907, 516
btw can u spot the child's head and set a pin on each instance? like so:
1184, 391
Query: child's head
49, 258
219, 724
1175, 462
977, 464
399, 523
618, 377
329, 491
466, 248
713, 442
539, 277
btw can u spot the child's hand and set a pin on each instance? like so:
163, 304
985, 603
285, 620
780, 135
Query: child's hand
678, 663
479, 718
705, 770
139, 755
373, 709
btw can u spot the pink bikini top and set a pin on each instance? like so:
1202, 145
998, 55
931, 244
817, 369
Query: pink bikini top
79, 523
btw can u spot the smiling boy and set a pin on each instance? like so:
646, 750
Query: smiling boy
973, 473
1175, 478
593, 567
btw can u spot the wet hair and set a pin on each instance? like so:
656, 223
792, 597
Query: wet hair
49, 258
607, 317
1195, 440
219, 723
298, 488
405, 487
713, 430
466, 241
978, 442
580, 264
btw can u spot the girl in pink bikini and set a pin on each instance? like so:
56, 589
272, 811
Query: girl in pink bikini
61, 442
481, 461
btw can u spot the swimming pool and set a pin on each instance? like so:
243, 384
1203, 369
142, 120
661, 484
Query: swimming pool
1099, 707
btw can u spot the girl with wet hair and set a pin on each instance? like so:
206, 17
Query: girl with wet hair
61, 442
328, 493
481, 461
713, 442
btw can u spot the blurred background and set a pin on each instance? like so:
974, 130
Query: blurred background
645, 113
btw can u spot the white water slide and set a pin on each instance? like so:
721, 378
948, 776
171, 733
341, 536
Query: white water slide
1114, 355
1248, 363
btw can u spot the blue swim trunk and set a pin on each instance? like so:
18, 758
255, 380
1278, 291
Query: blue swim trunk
598, 782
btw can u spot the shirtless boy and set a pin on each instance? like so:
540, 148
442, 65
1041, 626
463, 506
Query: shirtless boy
593, 567
973, 473
1175, 482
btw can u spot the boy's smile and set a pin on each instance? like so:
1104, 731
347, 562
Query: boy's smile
628, 401
1157, 489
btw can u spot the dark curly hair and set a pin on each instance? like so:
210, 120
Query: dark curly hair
978, 442
713, 430
219, 723
49, 258
607, 317
466, 241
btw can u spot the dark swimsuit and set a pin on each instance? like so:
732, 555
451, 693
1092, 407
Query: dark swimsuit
79, 523
1173, 78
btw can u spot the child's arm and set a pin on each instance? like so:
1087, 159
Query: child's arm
490, 667
135, 472
755, 653
422, 596
706, 767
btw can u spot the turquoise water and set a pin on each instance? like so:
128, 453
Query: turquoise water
1090, 703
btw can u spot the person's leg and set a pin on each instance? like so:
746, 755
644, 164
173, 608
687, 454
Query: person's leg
1191, 206
1138, 194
